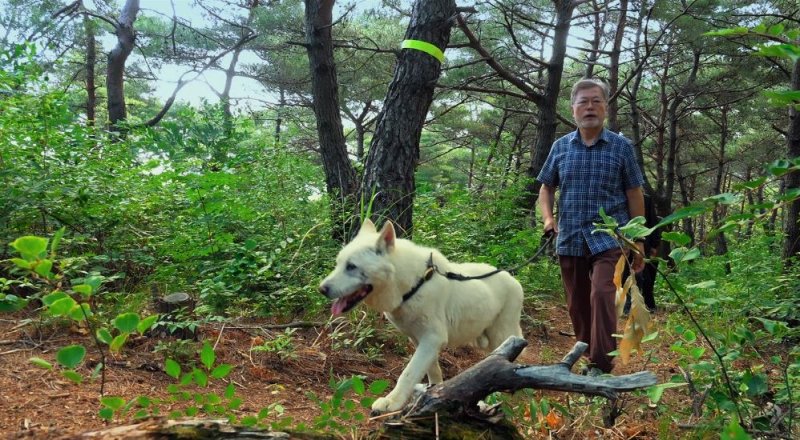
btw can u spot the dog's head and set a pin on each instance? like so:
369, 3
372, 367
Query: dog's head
363, 271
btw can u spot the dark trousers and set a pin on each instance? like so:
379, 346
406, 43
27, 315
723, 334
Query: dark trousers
646, 280
590, 290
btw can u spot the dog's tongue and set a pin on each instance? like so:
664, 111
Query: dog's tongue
338, 306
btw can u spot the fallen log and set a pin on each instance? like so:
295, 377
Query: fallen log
498, 373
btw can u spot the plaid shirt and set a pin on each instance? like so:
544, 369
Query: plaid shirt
590, 178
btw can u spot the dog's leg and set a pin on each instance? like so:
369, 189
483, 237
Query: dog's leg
422, 361
435, 373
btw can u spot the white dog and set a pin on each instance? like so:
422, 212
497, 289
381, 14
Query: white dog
406, 282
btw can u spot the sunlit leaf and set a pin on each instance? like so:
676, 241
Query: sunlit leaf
146, 324
39, 362
207, 355
71, 355
118, 342
656, 391
679, 238
30, 247
172, 368
126, 322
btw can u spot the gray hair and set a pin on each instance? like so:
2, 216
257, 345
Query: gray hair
589, 83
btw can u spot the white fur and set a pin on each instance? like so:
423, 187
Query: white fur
443, 312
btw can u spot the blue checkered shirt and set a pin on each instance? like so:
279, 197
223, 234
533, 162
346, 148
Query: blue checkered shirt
590, 178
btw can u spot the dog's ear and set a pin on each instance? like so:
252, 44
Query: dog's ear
367, 226
386, 237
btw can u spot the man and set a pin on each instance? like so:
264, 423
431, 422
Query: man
593, 168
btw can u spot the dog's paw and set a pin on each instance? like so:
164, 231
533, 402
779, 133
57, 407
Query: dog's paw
385, 404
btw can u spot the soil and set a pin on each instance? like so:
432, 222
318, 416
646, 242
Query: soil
39, 403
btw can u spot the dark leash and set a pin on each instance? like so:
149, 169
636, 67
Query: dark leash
433, 269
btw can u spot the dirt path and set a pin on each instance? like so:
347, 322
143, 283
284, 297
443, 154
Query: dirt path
35, 403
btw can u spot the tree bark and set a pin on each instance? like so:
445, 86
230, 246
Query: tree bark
340, 176
791, 229
91, 60
115, 78
548, 109
394, 151
613, 69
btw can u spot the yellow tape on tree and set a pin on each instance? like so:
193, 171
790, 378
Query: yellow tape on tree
426, 47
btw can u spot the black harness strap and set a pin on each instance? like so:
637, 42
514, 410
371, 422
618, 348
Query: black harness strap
432, 268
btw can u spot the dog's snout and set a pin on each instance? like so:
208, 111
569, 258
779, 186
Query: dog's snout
323, 289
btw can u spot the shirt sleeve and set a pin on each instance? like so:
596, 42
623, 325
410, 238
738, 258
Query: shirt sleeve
549, 173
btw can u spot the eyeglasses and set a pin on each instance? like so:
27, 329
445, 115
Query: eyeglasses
586, 102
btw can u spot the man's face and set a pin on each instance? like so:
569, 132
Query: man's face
589, 108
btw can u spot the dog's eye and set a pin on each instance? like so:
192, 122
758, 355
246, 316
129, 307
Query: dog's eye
350, 266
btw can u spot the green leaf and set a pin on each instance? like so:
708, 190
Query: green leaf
30, 247
703, 285
83, 289
145, 324
24, 264
62, 306
777, 329
779, 167
80, 312
725, 198
94, 281
790, 195
683, 254
221, 371
378, 387
113, 402
358, 385
731, 32
756, 383
734, 431
44, 267
230, 391
172, 368
73, 376
126, 322
106, 413
656, 391
118, 342
56, 241
751, 184
71, 355
679, 238
682, 213
104, 336
207, 355
11, 303
39, 362
200, 377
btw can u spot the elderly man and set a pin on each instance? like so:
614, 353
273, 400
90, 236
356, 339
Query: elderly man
593, 168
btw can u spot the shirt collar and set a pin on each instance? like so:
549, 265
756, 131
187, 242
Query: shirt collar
605, 136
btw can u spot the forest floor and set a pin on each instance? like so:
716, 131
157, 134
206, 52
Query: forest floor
37, 403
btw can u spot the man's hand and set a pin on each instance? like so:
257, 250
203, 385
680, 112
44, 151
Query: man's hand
638, 258
550, 226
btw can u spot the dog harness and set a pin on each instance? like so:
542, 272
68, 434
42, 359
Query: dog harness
432, 269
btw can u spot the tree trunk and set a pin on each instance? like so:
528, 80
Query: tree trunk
91, 61
340, 176
547, 109
613, 69
394, 151
791, 229
115, 79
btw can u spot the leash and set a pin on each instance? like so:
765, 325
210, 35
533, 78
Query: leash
432, 269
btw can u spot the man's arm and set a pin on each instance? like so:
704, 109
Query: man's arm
547, 197
635, 209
